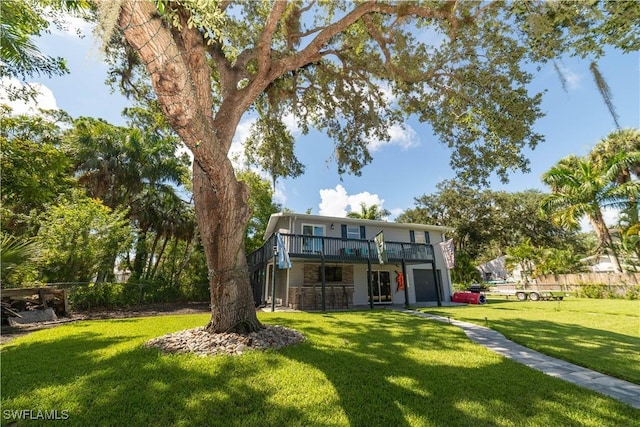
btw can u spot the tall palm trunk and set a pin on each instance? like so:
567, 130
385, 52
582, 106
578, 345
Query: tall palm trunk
604, 238
186, 255
141, 254
159, 257
152, 254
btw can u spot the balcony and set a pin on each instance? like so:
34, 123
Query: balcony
337, 249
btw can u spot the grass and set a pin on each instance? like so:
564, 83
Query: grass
370, 368
603, 335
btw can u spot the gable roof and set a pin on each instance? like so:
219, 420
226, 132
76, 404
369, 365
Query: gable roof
273, 221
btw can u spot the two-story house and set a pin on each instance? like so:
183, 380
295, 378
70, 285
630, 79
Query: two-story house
334, 263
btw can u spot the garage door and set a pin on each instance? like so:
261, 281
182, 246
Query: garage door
425, 285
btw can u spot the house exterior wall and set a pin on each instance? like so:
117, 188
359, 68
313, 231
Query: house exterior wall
300, 287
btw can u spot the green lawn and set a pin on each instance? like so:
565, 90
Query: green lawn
369, 368
603, 335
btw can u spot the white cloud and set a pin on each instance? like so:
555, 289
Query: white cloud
404, 137
336, 201
43, 100
395, 212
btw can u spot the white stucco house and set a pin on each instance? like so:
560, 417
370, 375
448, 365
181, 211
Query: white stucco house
335, 265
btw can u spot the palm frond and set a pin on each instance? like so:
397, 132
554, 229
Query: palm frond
15, 252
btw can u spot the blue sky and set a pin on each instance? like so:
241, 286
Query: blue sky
414, 162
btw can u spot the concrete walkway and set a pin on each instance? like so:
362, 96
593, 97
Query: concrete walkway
621, 390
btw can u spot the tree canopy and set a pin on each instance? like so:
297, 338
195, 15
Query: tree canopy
351, 70
22, 21
487, 222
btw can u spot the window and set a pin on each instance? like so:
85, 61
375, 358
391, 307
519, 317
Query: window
331, 274
353, 232
419, 237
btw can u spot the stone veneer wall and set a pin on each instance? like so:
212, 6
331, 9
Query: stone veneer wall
309, 295
312, 274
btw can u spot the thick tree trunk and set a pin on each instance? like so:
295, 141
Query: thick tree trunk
178, 67
222, 221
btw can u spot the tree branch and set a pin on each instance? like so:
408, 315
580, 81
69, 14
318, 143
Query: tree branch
264, 44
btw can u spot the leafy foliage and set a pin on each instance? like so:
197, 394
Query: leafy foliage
22, 22
487, 222
465, 271
35, 168
135, 171
523, 256
351, 70
78, 237
270, 147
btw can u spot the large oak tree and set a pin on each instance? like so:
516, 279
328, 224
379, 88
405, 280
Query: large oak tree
351, 69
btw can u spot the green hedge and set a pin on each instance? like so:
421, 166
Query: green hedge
111, 295
604, 291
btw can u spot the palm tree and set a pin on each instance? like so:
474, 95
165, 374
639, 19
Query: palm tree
524, 256
129, 167
371, 212
580, 188
619, 153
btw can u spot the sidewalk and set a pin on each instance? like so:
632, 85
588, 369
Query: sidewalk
623, 391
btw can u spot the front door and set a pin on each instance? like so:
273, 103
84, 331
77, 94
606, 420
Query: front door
381, 284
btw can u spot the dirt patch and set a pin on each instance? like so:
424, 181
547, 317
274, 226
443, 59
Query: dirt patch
8, 333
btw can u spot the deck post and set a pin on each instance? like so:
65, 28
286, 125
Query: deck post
436, 282
369, 285
323, 279
273, 279
404, 278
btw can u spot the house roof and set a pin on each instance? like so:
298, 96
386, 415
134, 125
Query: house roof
273, 221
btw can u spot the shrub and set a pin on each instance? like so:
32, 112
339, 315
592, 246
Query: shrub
591, 290
632, 292
106, 295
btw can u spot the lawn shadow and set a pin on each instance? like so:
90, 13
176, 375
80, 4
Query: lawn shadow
428, 375
137, 386
384, 368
